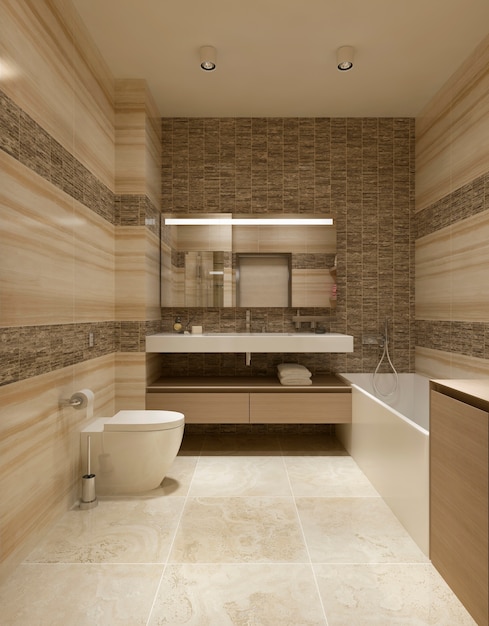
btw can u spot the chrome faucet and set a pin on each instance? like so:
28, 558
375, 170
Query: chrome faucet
248, 321
308, 319
297, 320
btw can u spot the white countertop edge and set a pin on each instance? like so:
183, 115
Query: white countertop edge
249, 342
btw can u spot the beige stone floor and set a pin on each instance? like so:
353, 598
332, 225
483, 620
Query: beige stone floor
250, 530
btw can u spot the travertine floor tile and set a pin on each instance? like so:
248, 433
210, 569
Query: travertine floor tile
388, 595
265, 534
116, 531
63, 594
327, 476
230, 530
224, 476
355, 530
238, 595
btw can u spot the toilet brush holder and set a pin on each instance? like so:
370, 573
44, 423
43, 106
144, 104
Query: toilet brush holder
89, 498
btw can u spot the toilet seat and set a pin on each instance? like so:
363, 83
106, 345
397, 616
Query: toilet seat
143, 420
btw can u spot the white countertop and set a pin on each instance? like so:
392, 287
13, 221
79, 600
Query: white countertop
249, 342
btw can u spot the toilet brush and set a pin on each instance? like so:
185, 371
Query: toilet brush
88, 499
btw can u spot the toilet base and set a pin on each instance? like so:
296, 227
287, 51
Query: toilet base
130, 462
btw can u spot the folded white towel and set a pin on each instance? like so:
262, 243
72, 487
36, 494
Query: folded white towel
298, 382
293, 370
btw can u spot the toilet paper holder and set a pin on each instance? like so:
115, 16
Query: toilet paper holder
78, 400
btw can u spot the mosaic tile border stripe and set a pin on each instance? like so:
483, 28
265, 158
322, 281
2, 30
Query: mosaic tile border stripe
28, 351
469, 200
467, 338
31, 145
136, 210
26, 141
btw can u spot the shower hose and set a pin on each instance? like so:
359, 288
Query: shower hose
385, 354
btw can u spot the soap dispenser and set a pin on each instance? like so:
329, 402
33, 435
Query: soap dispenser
177, 325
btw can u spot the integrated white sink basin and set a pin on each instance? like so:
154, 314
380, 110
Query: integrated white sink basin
249, 342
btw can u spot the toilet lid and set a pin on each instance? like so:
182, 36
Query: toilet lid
145, 420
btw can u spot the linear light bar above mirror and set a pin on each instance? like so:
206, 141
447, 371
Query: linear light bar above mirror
252, 221
199, 256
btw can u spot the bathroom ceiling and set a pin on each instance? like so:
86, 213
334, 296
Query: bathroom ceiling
277, 58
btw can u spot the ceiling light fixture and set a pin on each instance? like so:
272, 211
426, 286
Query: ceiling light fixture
208, 58
344, 58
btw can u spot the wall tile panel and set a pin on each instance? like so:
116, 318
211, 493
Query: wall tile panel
366, 173
449, 152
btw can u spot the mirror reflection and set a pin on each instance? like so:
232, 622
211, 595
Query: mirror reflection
204, 278
224, 265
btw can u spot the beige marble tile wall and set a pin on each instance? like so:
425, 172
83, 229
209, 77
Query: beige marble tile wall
138, 140
57, 263
58, 78
39, 451
59, 219
130, 131
449, 150
359, 170
130, 380
137, 184
137, 274
452, 223
57, 254
153, 150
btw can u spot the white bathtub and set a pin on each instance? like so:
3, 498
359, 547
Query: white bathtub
389, 440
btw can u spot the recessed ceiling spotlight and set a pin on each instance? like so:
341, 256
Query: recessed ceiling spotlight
344, 58
208, 58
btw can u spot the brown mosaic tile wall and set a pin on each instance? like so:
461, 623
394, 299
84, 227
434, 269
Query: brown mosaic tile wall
28, 351
359, 170
247, 165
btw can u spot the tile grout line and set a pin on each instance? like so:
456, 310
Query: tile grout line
173, 540
304, 540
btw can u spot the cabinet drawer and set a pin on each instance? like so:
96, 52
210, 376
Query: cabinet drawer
300, 408
204, 408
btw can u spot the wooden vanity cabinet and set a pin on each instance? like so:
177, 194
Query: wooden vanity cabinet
459, 470
300, 408
252, 400
201, 407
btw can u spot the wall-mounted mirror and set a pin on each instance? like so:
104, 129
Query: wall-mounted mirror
201, 256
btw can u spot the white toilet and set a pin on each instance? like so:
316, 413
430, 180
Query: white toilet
132, 451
